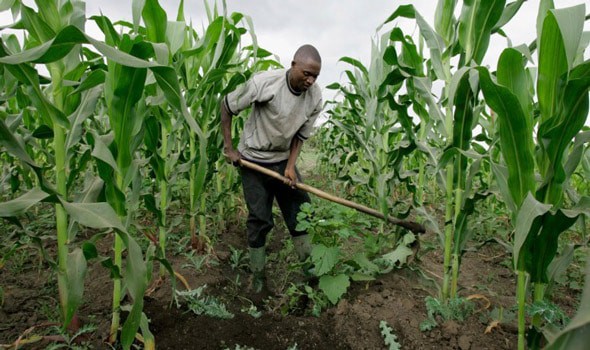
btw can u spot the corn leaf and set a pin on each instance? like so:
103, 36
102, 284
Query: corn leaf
464, 102
136, 10
555, 52
11, 144
136, 280
537, 230
20, 205
175, 34
575, 334
512, 74
6, 4
84, 110
75, 272
572, 115
155, 20
478, 18
515, 136
95, 215
434, 41
509, 12
544, 244
35, 25
528, 222
444, 19
102, 152
357, 64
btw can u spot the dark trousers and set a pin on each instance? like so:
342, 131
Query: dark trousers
259, 191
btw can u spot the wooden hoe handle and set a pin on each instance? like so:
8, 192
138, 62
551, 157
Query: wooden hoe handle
409, 225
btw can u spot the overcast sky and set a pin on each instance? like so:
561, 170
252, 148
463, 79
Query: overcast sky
336, 27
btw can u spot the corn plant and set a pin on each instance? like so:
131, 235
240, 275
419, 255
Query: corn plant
57, 109
54, 41
575, 334
455, 113
371, 131
562, 84
209, 67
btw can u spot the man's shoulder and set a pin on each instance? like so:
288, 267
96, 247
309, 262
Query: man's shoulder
315, 91
269, 75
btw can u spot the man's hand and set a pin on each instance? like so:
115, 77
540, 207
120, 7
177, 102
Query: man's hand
232, 156
291, 176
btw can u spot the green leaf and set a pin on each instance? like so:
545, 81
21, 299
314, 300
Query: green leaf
556, 53
136, 10
95, 78
515, 136
10, 143
155, 20
149, 341
575, 334
75, 272
95, 215
334, 286
436, 45
512, 74
398, 256
558, 133
463, 117
43, 132
175, 34
85, 109
29, 76
478, 18
136, 280
6, 4
21, 204
324, 258
131, 325
527, 223
537, 230
102, 152
509, 12
406, 11
444, 19
35, 25
357, 64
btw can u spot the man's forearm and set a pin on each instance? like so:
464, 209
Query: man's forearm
226, 119
296, 145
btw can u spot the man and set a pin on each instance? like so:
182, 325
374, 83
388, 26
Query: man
285, 105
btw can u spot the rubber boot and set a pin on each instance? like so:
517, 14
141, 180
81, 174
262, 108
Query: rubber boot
302, 246
303, 249
257, 262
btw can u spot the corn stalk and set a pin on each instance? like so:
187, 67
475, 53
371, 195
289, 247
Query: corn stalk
562, 93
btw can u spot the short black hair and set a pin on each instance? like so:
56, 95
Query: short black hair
307, 51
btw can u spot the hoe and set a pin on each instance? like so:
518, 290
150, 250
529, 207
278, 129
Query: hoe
409, 225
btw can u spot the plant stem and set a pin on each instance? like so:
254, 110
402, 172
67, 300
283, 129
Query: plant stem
220, 190
163, 195
455, 264
118, 257
521, 300
192, 199
61, 217
538, 296
448, 234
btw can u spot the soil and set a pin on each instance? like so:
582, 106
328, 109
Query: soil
398, 298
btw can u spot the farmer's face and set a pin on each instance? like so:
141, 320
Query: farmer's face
304, 73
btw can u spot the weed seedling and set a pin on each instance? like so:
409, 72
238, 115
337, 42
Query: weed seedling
455, 309
389, 338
